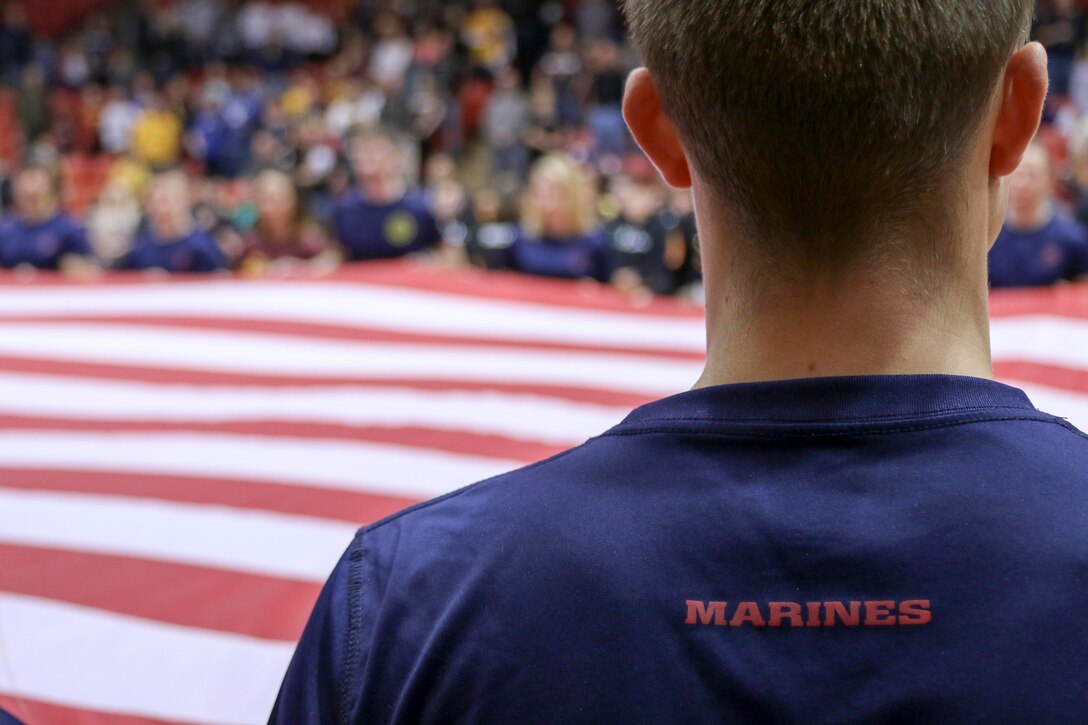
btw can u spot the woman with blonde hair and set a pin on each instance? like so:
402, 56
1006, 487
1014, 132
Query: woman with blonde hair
560, 234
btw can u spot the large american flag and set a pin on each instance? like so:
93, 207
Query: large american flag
183, 461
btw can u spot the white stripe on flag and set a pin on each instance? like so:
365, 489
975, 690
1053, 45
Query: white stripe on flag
85, 658
352, 466
283, 355
1043, 339
256, 542
359, 305
525, 417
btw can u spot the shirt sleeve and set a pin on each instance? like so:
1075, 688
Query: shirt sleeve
316, 688
208, 257
1078, 254
602, 257
340, 229
429, 233
76, 242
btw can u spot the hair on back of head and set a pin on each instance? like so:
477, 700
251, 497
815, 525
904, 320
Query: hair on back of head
820, 123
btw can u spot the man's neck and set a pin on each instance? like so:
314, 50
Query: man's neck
384, 192
863, 330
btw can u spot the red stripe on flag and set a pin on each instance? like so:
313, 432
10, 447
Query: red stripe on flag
1061, 301
35, 712
351, 506
337, 332
1074, 380
46, 366
190, 596
451, 441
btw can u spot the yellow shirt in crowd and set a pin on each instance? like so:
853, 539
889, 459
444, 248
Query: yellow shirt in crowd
156, 138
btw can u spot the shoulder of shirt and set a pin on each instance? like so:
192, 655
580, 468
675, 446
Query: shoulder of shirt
351, 198
201, 237
509, 478
1069, 226
1076, 444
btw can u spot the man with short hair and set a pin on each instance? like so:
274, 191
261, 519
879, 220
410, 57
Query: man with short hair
40, 234
382, 218
170, 240
1040, 244
847, 520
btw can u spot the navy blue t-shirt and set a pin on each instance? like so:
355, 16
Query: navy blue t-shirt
577, 258
848, 550
1058, 251
41, 245
196, 252
384, 231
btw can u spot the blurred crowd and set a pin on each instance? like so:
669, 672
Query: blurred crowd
265, 137
204, 135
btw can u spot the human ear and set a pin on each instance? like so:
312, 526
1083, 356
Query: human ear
1022, 95
653, 131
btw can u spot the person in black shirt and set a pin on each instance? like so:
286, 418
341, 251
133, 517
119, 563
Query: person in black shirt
491, 231
645, 256
605, 116
1060, 27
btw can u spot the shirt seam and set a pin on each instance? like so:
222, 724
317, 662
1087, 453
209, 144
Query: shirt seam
835, 433
355, 592
860, 419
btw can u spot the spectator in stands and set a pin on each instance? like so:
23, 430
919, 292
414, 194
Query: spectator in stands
170, 240
391, 55
317, 165
113, 222
284, 237
35, 116
605, 117
450, 207
382, 217
491, 232
489, 34
156, 134
639, 240
1040, 244
506, 119
596, 20
1060, 27
679, 219
561, 66
546, 133
40, 235
560, 235
116, 120
357, 106
15, 42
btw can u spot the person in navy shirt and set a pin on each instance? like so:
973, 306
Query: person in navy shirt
559, 235
40, 235
170, 239
847, 520
1040, 244
382, 218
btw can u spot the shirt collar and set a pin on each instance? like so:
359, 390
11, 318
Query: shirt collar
841, 399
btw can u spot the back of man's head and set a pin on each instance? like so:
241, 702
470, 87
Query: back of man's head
822, 124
